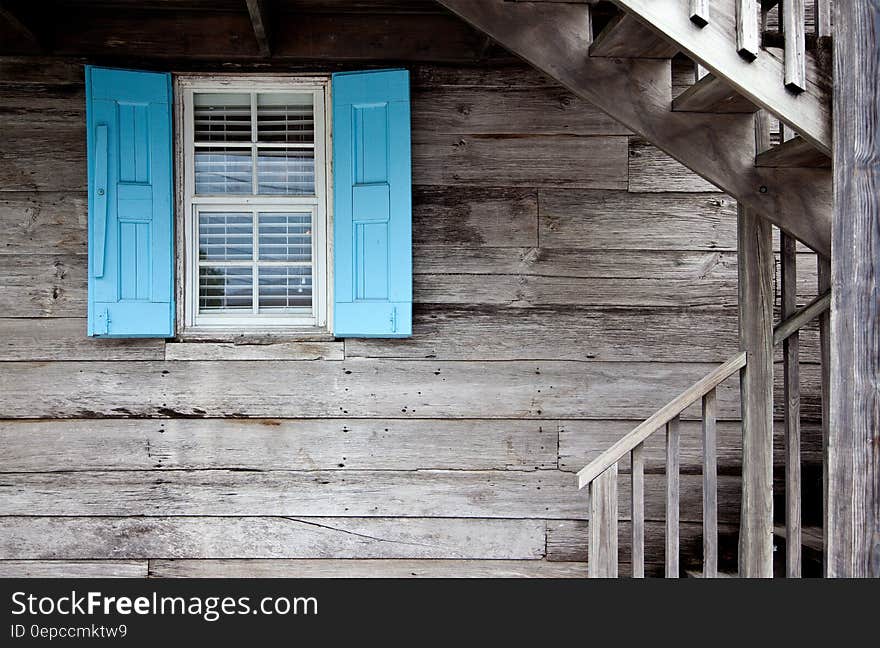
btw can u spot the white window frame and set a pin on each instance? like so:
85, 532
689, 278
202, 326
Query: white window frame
319, 205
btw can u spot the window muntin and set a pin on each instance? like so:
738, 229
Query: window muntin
255, 204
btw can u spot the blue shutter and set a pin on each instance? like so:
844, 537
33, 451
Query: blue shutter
131, 258
372, 203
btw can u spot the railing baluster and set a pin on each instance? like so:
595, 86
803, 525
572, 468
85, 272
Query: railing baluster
699, 12
823, 18
748, 40
824, 269
602, 558
791, 391
793, 27
638, 511
672, 496
710, 486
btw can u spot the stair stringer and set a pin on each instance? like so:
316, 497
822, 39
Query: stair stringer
554, 38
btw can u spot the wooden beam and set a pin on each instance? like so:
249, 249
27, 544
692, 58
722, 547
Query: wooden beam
759, 80
798, 319
626, 37
854, 444
257, 11
712, 95
638, 93
756, 269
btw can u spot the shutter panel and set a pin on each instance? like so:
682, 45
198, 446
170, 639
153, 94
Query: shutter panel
130, 203
372, 245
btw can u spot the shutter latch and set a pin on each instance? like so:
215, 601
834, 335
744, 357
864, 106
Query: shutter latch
394, 319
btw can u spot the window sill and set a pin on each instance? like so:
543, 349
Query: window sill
256, 337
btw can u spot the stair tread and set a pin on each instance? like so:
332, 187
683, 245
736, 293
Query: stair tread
794, 153
626, 37
712, 95
811, 536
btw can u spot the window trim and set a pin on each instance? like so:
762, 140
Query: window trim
192, 324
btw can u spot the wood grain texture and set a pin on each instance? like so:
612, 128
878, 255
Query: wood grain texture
59, 339
43, 285
543, 494
710, 484
854, 426
548, 160
712, 95
625, 37
41, 222
276, 444
351, 389
250, 351
652, 170
756, 339
365, 569
673, 497
253, 537
602, 555
73, 568
637, 514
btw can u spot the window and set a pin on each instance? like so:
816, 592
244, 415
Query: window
255, 179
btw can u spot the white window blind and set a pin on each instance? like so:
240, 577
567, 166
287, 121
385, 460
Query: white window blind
257, 205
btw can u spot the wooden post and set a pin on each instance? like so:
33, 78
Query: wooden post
673, 436
602, 546
756, 267
792, 396
854, 445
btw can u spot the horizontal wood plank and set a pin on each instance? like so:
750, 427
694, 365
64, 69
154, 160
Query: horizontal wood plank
550, 110
250, 351
366, 569
464, 332
356, 388
69, 537
43, 222
73, 568
615, 220
547, 161
651, 170
276, 444
44, 285
543, 494
59, 339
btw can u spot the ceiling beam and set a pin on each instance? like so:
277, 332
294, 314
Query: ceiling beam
258, 12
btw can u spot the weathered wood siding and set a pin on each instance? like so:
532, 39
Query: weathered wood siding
569, 280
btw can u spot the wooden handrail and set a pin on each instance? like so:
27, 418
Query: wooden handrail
660, 418
802, 317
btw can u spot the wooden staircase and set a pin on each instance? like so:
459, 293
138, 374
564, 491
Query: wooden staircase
757, 124
720, 128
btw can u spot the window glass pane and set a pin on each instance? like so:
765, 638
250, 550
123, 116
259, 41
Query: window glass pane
222, 117
285, 287
285, 237
223, 171
223, 288
285, 117
226, 236
288, 172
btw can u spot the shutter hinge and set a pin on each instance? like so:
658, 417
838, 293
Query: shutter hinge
102, 322
394, 319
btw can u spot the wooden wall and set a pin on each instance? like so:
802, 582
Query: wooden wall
569, 279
